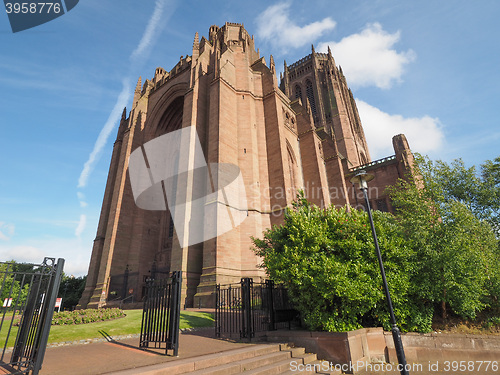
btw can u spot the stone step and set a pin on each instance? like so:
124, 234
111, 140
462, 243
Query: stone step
263, 359
245, 365
313, 367
305, 358
184, 366
269, 364
271, 369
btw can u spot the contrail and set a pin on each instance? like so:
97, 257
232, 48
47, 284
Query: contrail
113, 118
151, 31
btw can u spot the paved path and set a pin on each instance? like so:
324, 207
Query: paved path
106, 357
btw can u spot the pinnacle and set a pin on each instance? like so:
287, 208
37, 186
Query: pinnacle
139, 84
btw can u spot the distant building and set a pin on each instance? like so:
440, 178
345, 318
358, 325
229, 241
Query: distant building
302, 134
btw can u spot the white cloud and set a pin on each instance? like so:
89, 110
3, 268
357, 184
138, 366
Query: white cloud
6, 231
368, 58
275, 26
81, 225
21, 253
424, 134
75, 252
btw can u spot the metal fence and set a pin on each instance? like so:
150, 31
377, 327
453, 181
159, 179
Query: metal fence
27, 298
246, 308
161, 313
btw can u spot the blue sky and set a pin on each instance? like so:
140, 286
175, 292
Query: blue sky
427, 69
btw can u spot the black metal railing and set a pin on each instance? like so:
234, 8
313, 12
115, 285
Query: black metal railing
161, 313
246, 308
28, 295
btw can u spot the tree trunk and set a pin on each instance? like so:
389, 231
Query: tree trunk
443, 305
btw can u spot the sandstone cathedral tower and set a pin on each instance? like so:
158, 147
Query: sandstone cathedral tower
302, 134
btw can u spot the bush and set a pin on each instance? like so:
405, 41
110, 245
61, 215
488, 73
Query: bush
327, 260
456, 253
86, 316
437, 258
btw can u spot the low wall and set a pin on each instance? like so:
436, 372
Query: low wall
373, 345
440, 347
367, 344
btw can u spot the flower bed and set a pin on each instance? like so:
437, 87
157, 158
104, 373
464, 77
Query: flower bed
86, 316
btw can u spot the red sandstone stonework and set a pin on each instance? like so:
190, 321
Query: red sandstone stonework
305, 134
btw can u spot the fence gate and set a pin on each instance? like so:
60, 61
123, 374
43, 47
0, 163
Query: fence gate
161, 313
246, 308
28, 295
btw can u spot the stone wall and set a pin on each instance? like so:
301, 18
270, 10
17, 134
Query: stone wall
440, 347
356, 351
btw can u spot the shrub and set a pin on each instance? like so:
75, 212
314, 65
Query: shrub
327, 259
86, 316
437, 257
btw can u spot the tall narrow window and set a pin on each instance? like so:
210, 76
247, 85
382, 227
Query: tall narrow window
298, 93
310, 96
170, 228
291, 168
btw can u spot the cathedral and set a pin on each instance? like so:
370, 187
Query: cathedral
302, 133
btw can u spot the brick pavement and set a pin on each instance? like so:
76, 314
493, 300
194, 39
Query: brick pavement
105, 357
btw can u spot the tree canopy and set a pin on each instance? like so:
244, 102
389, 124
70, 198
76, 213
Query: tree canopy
478, 190
455, 246
439, 250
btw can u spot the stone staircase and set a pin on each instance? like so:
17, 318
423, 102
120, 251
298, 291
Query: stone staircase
262, 359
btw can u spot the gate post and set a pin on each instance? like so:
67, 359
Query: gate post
270, 304
175, 308
217, 310
246, 293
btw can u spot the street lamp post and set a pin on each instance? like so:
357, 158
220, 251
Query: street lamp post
362, 178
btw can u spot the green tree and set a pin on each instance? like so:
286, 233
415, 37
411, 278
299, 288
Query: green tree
13, 284
456, 253
439, 257
326, 259
71, 290
478, 190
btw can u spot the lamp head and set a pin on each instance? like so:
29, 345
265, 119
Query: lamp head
362, 178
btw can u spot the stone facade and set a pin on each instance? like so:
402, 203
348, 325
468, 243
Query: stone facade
304, 134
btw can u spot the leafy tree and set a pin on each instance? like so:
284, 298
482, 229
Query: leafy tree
12, 283
438, 254
479, 190
326, 259
456, 254
71, 290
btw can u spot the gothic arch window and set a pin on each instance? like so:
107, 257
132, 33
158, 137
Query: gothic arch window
172, 118
292, 168
298, 93
310, 96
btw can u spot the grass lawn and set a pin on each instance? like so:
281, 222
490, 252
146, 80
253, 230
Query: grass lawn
130, 324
